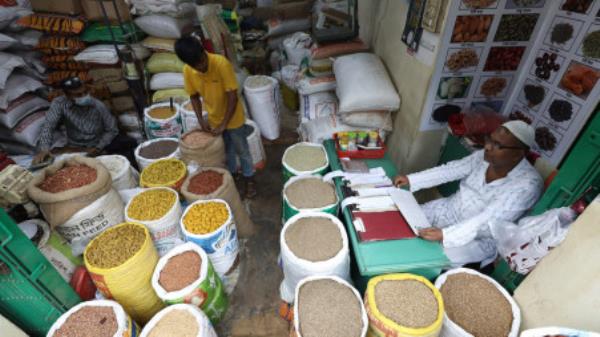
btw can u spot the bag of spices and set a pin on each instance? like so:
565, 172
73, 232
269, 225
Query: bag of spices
94, 318
476, 305
217, 183
121, 261
203, 148
155, 149
159, 210
210, 225
162, 120
328, 306
164, 173
312, 244
308, 194
121, 172
179, 320
304, 159
186, 275
405, 304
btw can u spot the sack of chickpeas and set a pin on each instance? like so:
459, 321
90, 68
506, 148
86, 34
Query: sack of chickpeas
159, 210
217, 183
210, 224
186, 275
179, 320
164, 173
203, 148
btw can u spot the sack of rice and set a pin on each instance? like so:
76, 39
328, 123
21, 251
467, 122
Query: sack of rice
162, 120
217, 183
210, 225
159, 210
150, 151
120, 170
304, 159
202, 148
403, 305
94, 318
308, 194
164, 173
181, 320
312, 244
121, 261
186, 275
328, 306
476, 305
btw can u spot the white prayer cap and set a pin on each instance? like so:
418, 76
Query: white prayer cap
523, 131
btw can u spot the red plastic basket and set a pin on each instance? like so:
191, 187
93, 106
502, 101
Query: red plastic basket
360, 153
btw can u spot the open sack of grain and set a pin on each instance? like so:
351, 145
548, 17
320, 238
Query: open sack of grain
203, 148
121, 262
94, 318
328, 306
308, 194
186, 275
210, 224
159, 210
122, 174
162, 120
312, 244
182, 320
404, 304
476, 305
155, 149
169, 172
304, 159
217, 183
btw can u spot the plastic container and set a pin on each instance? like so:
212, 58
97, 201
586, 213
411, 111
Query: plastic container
359, 153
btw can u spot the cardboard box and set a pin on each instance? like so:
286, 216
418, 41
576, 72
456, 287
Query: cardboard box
93, 11
69, 7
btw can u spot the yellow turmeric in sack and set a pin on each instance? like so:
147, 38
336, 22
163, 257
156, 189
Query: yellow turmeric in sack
57, 24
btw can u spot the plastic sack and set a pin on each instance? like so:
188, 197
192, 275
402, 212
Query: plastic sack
162, 128
206, 292
557, 332
159, 44
8, 62
162, 26
320, 129
263, 97
164, 63
364, 84
144, 162
311, 85
297, 47
6, 41
317, 105
175, 8
289, 76
178, 95
369, 120
106, 54
166, 81
121, 172
278, 27
15, 86
524, 244
205, 328
27, 131
337, 49
257, 149
189, 118
295, 269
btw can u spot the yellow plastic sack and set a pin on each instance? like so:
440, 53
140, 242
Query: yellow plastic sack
160, 44
130, 283
381, 326
164, 95
151, 173
164, 63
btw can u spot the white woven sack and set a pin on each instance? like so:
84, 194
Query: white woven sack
257, 149
120, 171
380, 120
124, 322
163, 128
144, 162
162, 25
20, 108
311, 85
16, 85
319, 104
451, 329
205, 328
364, 84
263, 103
320, 129
295, 269
188, 117
166, 81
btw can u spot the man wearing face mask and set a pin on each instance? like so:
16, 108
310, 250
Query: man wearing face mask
90, 125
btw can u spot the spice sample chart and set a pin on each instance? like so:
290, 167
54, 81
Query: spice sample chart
559, 91
483, 48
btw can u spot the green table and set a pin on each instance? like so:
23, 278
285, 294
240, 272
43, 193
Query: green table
415, 256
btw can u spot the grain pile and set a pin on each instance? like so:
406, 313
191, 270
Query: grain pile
151, 205
89, 321
314, 239
69, 177
407, 302
205, 182
310, 193
180, 271
305, 157
176, 323
476, 305
163, 172
159, 149
327, 308
198, 139
205, 217
115, 246
163, 112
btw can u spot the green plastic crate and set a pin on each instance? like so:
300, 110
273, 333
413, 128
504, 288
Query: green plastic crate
32, 293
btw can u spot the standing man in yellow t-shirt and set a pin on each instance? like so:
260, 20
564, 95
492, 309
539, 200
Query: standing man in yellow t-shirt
211, 77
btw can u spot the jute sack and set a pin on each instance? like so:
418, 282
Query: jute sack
228, 192
59, 207
210, 155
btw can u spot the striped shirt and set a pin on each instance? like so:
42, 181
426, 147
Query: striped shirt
91, 126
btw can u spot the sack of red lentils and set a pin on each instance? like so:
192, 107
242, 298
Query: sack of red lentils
217, 183
179, 320
203, 148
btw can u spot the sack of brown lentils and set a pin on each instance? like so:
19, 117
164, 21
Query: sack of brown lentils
94, 318
155, 149
476, 305
203, 148
179, 320
62, 189
217, 183
186, 275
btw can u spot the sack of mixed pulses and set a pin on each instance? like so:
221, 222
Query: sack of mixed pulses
476, 305
210, 224
217, 183
304, 159
186, 275
122, 174
97, 317
312, 244
308, 193
155, 149
162, 121
121, 262
159, 210
202, 148
179, 320
164, 173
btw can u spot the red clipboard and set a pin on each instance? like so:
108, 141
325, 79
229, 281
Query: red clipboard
379, 226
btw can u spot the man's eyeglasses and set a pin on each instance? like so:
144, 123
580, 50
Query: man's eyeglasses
497, 146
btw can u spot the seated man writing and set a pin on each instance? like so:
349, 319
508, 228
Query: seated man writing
495, 183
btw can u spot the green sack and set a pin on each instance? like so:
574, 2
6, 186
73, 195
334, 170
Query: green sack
164, 63
97, 32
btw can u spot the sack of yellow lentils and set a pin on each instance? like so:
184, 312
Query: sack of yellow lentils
210, 225
159, 210
186, 275
164, 173
121, 261
203, 148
